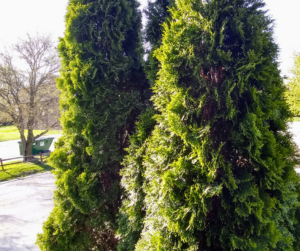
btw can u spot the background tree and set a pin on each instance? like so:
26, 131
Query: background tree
132, 212
293, 85
27, 83
219, 166
5, 119
103, 91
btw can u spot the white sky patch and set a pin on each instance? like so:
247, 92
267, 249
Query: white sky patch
286, 16
18, 17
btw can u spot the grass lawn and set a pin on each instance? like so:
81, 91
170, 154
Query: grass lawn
296, 119
11, 133
22, 170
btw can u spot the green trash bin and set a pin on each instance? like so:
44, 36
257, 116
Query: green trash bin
41, 145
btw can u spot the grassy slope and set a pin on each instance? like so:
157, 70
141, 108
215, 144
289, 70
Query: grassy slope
23, 169
11, 133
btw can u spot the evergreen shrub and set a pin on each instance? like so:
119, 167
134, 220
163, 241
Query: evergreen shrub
132, 211
217, 172
104, 89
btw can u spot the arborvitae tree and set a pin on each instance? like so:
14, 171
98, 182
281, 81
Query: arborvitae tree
219, 166
293, 85
157, 13
103, 86
132, 212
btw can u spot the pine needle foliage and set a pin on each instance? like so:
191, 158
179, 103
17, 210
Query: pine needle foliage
293, 85
218, 169
132, 212
104, 89
157, 13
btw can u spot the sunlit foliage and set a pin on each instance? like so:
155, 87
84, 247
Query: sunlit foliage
218, 170
293, 85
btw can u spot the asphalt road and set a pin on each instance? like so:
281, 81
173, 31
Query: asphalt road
26, 203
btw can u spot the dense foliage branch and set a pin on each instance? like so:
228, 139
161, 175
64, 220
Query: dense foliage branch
217, 172
157, 13
132, 212
103, 91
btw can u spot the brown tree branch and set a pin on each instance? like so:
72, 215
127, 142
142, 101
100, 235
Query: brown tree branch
44, 132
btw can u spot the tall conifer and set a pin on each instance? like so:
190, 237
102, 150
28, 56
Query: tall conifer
157, 13
103, 86
218, 170
132, 212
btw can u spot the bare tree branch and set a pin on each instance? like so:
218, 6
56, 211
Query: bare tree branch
44, 132
27, 92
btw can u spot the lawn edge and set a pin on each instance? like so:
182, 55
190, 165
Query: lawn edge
25, 177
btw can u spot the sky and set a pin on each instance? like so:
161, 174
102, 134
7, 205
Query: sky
18, 17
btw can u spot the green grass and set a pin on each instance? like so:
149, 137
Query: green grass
296, 119
22, 169
12, 133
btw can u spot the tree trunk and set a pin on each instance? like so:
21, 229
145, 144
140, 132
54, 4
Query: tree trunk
26, 143
23, 140
29, 144
30, 123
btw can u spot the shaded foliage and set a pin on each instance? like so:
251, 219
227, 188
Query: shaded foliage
132, 211
104, 89
157, 13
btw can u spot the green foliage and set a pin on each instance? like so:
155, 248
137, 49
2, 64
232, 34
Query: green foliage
217, 172
132, 212
103, 91
157, 13
293, 85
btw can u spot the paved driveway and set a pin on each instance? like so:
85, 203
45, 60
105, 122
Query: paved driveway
24, 205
